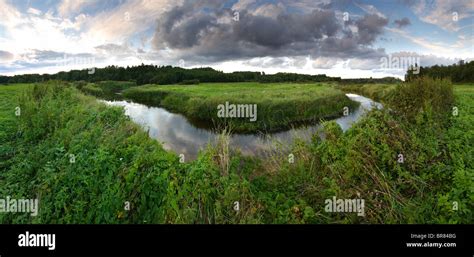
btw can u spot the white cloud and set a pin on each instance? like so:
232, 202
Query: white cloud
9, 15
69, 7
463, 46
80, 34
363, 64
325, 62
370, 9
127, 19
339, 70
445, 14
34, 11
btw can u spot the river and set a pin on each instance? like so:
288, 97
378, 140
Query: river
177, 134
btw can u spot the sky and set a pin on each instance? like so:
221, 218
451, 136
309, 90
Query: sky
343, 38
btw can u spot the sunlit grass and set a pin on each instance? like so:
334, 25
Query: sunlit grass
279, 105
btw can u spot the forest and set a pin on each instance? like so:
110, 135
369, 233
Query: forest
153, 74
460, 72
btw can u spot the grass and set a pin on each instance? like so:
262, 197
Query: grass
437, 173
376, 92
460, 137
279, 106
8, 105
104, 89
57, 121
117, 162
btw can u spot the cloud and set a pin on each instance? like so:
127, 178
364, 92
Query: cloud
206, 31
49, 57
427, 60
369, 27
370, 9
126, 20
35, 60
364, 64
284, 35
121, 52
114, 49
70, 7
33, 11
402, 22
445, 14
398, 62
270, 10
324, 63
9, 15
5, 56
463, 47
277, 62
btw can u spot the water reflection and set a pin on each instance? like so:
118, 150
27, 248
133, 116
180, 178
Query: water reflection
178, 135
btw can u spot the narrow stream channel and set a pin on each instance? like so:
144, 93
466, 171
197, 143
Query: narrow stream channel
177, 134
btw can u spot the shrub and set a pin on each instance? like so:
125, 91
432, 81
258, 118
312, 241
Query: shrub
107, 89
422, 95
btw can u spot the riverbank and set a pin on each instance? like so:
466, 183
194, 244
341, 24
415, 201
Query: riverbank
177, 134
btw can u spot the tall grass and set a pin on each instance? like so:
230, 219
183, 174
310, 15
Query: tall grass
364, 161
423, 95
113, 158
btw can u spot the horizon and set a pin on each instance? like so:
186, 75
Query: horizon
187, 68
217, 70
347, 39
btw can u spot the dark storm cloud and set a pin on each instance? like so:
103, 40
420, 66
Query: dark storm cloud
208, 32
402, 23
369, 27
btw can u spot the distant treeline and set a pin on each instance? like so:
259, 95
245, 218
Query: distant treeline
152, 74
385, 80
458, 72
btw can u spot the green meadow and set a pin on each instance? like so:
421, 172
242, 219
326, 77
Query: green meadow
279, 106
376, 92
429, 122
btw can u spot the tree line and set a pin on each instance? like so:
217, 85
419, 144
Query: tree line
152, 74
458, 72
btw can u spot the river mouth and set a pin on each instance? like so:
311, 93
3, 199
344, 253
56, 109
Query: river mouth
177, 134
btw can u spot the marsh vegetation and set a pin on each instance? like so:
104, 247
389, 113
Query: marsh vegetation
117, 162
